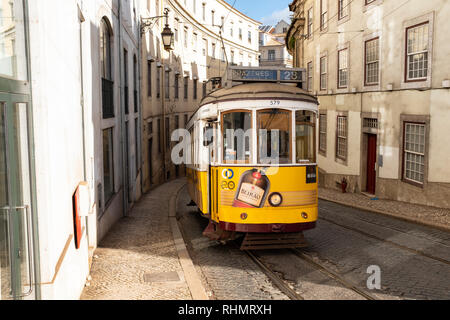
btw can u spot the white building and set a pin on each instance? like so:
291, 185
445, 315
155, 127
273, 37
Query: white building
272, 46
73, 117
65, 71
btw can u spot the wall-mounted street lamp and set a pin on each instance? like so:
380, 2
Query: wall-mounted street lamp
167, 35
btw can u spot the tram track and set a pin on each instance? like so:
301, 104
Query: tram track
284, 287
418, 252
332, 274
276, 279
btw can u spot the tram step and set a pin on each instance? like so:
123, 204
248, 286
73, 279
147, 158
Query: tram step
265, 241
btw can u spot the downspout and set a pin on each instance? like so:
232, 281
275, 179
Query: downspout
163, 105
83, 127
142, 125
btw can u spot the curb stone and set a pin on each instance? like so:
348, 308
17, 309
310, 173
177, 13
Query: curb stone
392, 215
193, 281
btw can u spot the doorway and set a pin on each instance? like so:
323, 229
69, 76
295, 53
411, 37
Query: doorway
16, 232
371, 163
150, 166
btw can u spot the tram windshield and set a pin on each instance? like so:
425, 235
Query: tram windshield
274, 144
276, 134
237, 137
305, 129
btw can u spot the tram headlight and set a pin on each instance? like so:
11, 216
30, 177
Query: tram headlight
275, 199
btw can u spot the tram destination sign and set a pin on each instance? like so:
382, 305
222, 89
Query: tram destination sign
249, 74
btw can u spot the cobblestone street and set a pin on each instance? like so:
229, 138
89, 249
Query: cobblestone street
414, 259
140, 260
137, 260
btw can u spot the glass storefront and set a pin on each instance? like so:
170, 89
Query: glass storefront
16, 211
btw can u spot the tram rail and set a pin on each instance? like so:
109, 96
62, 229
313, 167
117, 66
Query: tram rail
415, 251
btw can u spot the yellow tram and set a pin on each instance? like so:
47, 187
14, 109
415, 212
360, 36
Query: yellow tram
262, 180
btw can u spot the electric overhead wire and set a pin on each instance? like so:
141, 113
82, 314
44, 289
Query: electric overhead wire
359, 33
387, 14
221, 29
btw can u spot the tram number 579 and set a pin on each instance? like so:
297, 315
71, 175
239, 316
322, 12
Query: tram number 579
275, 102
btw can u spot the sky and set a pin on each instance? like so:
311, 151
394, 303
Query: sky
268, 12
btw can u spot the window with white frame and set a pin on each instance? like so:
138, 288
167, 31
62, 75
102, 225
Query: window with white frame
323, 14
271, 55
341, 139
323, 132
167, 85
414, 152
177, 86
310, 76
310, 23
417, 56
323, 73
186, 86
342, 9
194, 42
343, 68
158, 83
195, 88
372, 62
205, 47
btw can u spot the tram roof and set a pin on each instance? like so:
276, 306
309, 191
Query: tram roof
259, 91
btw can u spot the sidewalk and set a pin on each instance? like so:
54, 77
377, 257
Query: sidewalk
143, 257
430, 216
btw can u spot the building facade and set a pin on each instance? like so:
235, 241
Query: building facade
379, 69
209, 36
69, 119
272, 46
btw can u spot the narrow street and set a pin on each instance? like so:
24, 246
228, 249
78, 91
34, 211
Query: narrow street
414, 260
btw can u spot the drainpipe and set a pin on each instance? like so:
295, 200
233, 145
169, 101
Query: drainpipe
141, 98
163, 105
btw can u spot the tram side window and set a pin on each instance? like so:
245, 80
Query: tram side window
237, 137
274, 136
191, 160
305, 128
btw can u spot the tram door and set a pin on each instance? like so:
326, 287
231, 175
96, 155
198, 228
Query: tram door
16, 266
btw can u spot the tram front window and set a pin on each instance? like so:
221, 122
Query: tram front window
237, 137
305, 127
274, 136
